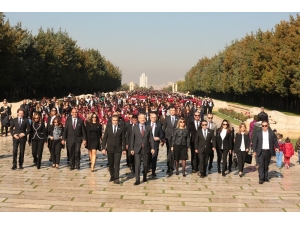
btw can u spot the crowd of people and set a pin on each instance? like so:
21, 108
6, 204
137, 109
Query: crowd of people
136, 124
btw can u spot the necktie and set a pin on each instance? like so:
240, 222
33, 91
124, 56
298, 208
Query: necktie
197, 125
20, 122
74, 124
173, 120
142, 131
115, 130
152, 128
209, 125
204, 134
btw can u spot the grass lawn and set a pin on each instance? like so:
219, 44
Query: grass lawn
231, 120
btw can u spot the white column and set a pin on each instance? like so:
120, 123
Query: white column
173, 87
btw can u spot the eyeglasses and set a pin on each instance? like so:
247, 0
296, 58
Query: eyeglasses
197, 115
205, 124
181, 121
264, 125
225, 124
209, 117
55, 122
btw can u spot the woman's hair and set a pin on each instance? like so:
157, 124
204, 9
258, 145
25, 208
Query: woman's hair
228, 126
287, 140
90, 119
37, 115
240, 126
181, 119
57, 119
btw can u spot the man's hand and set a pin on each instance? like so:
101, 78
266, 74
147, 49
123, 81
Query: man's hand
51, 138
214, 149
152, 151
63, 142
277, 149
124, 152
230, 151
84, 142
254, 154
132, 152
189, 149
16, 136
247, 150
156, 138
196, 151
126, 146
21, 135
171, 148
104, 152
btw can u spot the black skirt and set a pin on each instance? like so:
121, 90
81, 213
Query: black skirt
180, 152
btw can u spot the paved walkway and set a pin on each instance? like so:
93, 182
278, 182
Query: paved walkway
50, 189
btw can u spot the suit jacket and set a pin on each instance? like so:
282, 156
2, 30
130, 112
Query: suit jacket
74, 135
227, 142
213, 127
192, 130
168, 127
205, 145
137, 140
158, 132
238, 142
25, 128
114, 143
258, 141
88, 135
39, 134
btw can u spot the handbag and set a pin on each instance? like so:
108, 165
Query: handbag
234, 161
248, 159
171, 158
5, 121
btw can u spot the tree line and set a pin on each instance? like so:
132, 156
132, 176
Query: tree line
260, 69
50, 63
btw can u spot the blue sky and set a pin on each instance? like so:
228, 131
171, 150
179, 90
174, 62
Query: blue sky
162, 45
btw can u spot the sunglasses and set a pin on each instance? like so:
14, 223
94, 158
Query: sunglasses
264, 125
209, 117
204, 125
197, 115
225, 124
181, 121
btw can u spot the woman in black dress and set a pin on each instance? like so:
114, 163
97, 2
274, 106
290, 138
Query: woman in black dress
5, 111
224, 145
94, 133
180, 144
37, 139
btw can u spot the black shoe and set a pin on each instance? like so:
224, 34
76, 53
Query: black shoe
14, 168
194, 171
267, 180
209, 169
21, 167
223, 174
38, 167
50, 160
117, 181
71, 168
68, 160
177, 173
261, 182
201, 176
136, 183
219, 171
153, 174
111, 179
168, 171
240, 175
145, 179
78, 168
184, 175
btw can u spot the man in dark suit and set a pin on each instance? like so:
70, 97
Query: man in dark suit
113, 144
205, 142
53, 114
158, 136
170, 123
213, 126
262, 116
25, 106
129, 127
263, 147
193, 127
75, 135
141, 144
19, 130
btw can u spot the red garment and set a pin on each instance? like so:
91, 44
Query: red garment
287, 160
288, 150
281, 146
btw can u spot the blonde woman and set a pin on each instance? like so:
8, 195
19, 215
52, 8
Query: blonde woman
242, 146
180, 144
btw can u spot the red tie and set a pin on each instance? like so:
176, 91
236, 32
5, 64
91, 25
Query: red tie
74, 124
143, 132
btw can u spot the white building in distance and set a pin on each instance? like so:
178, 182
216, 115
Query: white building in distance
143, 80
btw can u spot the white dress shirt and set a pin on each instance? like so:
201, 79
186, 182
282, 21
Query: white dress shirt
223, 134
265, 140
243, 143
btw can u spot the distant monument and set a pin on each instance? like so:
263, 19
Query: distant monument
174, 87
143, 81
131, 86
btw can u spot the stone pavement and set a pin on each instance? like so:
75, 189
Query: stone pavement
50, 189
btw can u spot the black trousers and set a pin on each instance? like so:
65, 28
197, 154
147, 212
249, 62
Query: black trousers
263, 164
229, 161
168, 152
203, 162
16, 144
2, 129
154, 160
74, 154
211, 159
114, 164
194, 158
131, 160
137, 158
56, 151
241, 157
37, 147
222, 154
